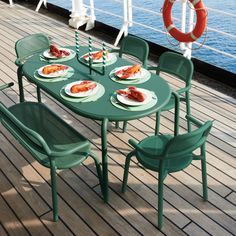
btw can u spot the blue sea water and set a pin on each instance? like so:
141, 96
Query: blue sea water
216, 21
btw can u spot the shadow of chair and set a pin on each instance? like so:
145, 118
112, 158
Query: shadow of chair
25, 48
166, 154
181, 67
49, 139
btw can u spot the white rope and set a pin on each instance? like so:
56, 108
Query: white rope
106, 12
216, 50
221, 12
221, 32
149, 27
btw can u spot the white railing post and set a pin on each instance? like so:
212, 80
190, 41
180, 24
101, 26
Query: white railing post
92, 17
44, 2
11, 3
78, 14
183, 22
130, 13
127, 20
191, 22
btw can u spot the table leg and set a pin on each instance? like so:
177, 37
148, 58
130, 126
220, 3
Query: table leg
104, 160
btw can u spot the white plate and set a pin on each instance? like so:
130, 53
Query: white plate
59, 73
142, 73
47, 54
80, 94
125, 100
109, 57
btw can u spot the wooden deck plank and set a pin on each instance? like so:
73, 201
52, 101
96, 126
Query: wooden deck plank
21, 209
16, 178
2, 231
8, 219
195, 230
68, 215
232, 197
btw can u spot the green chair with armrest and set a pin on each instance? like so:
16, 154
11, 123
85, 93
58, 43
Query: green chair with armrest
25, 48
177, 65
48, 138
136, 47
167, 153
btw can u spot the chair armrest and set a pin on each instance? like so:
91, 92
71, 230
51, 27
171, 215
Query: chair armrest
177, 104
138, 148
194, 120
151, 67
70, 151
4, 86
18, 62
114, 50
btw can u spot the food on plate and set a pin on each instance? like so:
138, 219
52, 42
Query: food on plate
56, 52
132, 93
53, 68
96, 55
83, 86
128, 72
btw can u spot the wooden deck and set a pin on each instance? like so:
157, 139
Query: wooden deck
25, 200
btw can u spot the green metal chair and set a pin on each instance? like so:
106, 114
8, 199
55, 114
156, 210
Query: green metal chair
50, 140
25, 48
135, 47
166, 154
181, 67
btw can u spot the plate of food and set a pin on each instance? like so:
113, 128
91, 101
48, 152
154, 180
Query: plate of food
81, 88
56, 53
53, 70
130, 72
97, 56
133, 96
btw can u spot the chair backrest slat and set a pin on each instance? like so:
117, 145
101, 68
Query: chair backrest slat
31, 44
177, 65
17, 128
185, 144
136, 47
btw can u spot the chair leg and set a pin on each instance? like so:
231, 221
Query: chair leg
125, 126
117, 124
188, 110
176, 123
126, 171
20, 83
204, 176
158, 117
160, 200
39, 94
54, 193
98, 168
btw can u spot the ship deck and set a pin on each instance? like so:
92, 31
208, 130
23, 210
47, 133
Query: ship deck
25, 199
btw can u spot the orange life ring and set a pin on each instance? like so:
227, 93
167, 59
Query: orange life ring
199, 28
